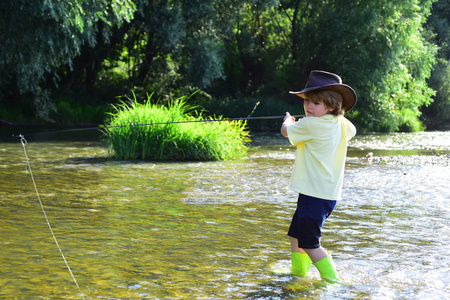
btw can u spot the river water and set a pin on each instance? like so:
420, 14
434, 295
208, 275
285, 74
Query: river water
217, 230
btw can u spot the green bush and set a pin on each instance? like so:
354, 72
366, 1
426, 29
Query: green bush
176, 132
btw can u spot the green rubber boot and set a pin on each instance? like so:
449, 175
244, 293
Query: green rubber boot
327, 270
300, 264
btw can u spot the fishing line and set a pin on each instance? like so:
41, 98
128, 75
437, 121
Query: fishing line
24, 143
28, 165
163, 123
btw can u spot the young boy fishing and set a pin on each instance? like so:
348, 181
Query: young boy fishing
321, 139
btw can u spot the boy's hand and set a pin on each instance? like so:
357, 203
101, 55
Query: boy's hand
289, 117
288, 120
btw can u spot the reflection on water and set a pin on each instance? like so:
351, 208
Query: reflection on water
214, 230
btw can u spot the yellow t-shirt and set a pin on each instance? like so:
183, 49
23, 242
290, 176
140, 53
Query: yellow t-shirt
320, 158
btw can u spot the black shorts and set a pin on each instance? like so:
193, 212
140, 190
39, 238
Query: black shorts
306, 225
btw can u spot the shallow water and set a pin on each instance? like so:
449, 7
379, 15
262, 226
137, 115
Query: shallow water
217, 230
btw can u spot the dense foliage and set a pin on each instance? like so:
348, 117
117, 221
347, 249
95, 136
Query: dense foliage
156, 132
438, 113
64, 55
40, 36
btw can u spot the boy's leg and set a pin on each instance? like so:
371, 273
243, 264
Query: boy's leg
294, 245
324, 263
316, 254
306, 225
301, 263
327, 270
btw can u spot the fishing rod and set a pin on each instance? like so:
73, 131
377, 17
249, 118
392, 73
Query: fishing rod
24, 143
161, 123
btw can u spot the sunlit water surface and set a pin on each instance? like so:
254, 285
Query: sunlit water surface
217, 230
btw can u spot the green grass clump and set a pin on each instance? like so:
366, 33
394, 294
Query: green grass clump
163, 140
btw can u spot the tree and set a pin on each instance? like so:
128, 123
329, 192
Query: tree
39, 36
438, 113
249, 44
226, 48
376, 46
169, 46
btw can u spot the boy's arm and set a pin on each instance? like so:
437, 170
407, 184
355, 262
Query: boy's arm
288, 120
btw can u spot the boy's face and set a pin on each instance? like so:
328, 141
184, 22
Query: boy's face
315, 109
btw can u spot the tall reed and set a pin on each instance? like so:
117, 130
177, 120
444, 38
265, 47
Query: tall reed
147, 131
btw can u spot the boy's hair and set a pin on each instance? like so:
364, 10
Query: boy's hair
330, 99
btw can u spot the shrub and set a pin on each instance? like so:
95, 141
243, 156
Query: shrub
176, 132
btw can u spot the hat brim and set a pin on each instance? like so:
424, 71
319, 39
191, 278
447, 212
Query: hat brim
348, 94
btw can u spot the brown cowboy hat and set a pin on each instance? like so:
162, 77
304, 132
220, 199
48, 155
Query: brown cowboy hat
321, 80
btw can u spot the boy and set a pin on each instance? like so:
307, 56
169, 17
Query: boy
321, 139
